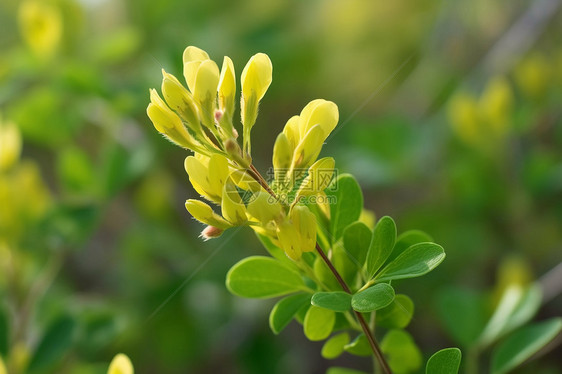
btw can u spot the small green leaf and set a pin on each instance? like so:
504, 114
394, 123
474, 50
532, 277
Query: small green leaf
54, 344
337, 301
340, 370
359, 346
356, 241
334, 346
524, 343
347, 206
262, 277
417, 260
397, 314
382, 244
323, 273
445, 361
318, 323
285, 309
463, 314
406, 240
373, 298
402, 353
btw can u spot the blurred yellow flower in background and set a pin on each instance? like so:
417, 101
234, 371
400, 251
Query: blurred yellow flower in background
41, 26
121, 364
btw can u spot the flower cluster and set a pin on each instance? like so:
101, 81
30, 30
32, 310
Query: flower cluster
200, 118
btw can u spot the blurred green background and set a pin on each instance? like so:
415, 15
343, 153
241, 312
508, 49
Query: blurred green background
450, 118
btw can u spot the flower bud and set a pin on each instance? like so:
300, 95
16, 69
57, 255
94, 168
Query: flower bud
319, 112
192, 58
168, 123
282, 152
310, 146
289, 239
205, 214
233, 149
305, 223
211, 232
180, 100
121, 364
227, 88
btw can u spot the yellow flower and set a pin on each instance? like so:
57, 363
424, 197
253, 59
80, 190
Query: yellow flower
41, 26
204, 213
121, 364
208, 175
181, 100
256, 78
227, 88
10, 145
168, 123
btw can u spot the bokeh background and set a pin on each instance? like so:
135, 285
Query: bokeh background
450, 118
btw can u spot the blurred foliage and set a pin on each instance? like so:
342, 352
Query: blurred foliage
97, 253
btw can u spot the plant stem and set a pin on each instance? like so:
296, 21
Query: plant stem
366, 330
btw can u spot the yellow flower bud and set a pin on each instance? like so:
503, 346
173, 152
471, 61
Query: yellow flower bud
205, 214
264, 208
305, 223
227, 88
233, 208
168, 123
319, 112
291, 130
208, 175
121, 364
180, 100
319, 177
310, 146
256, 78
205, 90
289, 239
10, 145
282, 156
41, 25
192, 58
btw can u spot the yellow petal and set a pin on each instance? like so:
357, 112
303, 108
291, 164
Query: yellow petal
264, 208
289, 239
319, 177
218, 172
198, 173
227, 87
291, 130
282, 153
121, 364
256, 76
309, 147
305, 222
319, 112
192, 53
205, 91
205, 214
180, 100
168, 123
233, 208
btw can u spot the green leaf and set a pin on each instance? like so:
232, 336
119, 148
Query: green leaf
356, 241
335, 346
524, 343
382, 244
4, 332
263, 277
347, 206
338, 301
359, 346
323, 273
445, 361
318, 323
517, 306
373, 298
417, 260
403, 356
285, 309
54, 344
463, 314
406, 240
340, 370
397, 314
